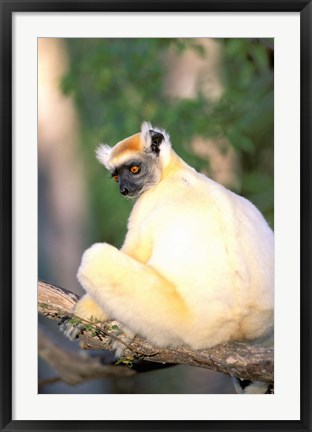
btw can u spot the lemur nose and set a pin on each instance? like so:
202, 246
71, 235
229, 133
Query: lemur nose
124, 191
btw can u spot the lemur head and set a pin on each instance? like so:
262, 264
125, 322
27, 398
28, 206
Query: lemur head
138, 161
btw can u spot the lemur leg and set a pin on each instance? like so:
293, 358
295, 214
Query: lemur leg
85, 309
132, 292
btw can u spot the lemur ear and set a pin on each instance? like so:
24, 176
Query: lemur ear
103, 153
156, 140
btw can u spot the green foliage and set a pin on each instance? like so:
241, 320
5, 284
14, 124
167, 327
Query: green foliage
92, 329
75, 321
118, 83
127, 361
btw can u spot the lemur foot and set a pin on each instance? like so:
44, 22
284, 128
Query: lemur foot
72, 330
125, 337
248, 387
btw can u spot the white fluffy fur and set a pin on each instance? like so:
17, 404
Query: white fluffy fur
197, 265
103, 153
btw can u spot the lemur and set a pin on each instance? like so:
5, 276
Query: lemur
197, 264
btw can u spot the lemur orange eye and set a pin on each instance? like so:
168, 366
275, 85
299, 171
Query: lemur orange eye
135, 169
115, 177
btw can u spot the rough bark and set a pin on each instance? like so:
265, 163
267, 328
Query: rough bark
243, 360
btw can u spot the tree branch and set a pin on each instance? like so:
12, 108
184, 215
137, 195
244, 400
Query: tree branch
243, 360
72, 368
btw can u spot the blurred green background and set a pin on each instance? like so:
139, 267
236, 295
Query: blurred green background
118, 83
213, 96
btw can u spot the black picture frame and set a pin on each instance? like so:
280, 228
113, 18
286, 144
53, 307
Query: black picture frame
7, 9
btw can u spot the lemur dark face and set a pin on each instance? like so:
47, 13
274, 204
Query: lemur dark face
135, 161
137, 175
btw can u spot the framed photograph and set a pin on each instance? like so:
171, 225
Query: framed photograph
230, 81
